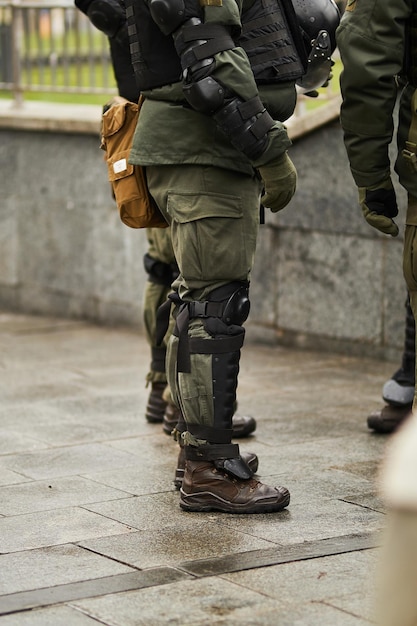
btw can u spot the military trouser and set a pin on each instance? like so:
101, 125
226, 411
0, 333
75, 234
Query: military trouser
162, 269
214, 217
410, 259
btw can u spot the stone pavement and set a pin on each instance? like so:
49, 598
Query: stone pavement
90, 527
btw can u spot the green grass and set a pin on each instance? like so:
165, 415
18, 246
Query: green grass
65, 98
57, 78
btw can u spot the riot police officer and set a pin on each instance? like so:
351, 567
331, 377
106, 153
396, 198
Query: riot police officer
210, 148
378, 46
248, 143
378, 65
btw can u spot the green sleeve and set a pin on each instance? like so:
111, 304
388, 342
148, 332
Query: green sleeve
371, 41
233, 70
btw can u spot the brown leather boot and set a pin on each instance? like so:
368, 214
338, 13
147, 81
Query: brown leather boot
204, 488
250, 459
156, 406
243, 425
388, 419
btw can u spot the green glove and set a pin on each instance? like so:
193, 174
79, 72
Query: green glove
280, 180
379, 207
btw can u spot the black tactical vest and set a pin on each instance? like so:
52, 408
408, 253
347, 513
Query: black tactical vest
270, 37
272, 40
154, 58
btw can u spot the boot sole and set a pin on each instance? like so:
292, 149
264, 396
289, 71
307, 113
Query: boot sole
385, 428
194, 504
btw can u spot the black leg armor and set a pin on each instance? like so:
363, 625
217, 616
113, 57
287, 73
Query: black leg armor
223, 314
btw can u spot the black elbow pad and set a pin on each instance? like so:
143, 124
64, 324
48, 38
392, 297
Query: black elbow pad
246, 124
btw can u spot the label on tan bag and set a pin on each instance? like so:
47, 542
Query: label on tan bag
119, 166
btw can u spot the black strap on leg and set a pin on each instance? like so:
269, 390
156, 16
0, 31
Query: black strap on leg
187, 346
187, 311
214, 435
181, 331
212, 452
222, 345
163, 315
229, 302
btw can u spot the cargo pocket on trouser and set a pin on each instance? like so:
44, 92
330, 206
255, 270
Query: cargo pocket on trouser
208, 237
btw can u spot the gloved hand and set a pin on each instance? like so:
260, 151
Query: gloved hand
379, 207
280, 179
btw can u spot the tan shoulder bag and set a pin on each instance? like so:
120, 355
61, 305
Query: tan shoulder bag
136, 206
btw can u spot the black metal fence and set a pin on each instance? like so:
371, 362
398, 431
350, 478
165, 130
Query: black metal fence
51, 47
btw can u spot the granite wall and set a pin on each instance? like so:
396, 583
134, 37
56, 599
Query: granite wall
322, 278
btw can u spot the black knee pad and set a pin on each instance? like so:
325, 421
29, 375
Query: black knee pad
159, 272
232, 301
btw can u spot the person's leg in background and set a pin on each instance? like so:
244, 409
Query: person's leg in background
161, 267
398, 391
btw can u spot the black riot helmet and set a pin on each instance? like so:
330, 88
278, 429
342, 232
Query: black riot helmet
318, 21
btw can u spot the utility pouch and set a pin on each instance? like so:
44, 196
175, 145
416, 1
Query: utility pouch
136, 206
